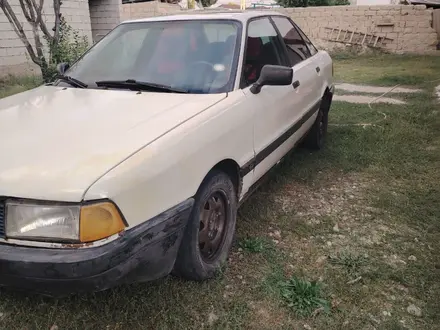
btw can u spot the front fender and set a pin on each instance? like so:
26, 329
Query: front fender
171, 169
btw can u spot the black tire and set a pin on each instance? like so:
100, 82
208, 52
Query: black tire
316, 137
194, 261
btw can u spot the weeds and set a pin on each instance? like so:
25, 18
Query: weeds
351, 262
303, 296
252, 244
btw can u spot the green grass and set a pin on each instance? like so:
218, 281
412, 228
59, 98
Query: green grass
12, 85
379, 184
388, 70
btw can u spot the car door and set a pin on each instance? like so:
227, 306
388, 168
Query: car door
306, 71
320, 61
276, 107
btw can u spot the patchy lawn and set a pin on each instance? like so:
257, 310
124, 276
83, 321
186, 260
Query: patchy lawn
352, 230
386, 70
12, 85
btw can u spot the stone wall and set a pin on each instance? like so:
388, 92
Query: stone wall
13, 56
409, 27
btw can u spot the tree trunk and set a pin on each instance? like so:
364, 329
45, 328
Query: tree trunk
46, 73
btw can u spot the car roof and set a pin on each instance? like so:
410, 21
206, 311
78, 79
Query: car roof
210, 14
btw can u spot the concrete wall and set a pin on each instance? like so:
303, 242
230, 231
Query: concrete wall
104, 16
147, 9
13, 56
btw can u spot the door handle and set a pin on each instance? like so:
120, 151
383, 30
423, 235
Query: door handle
318, 69
296, 84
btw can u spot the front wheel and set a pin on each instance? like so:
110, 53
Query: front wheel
316, 137
210, 229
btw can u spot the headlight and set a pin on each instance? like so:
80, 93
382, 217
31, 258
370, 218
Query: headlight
62, 222
37, 221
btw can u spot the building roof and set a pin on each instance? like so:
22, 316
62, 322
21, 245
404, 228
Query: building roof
238, 15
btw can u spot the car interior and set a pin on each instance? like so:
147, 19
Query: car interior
258, 54
199, 66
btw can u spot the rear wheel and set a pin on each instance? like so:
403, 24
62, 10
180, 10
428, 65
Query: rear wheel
316, 137
210, 229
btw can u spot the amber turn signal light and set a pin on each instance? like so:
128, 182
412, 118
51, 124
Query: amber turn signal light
98, 221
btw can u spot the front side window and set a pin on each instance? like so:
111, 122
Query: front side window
262, 47
196, 56
296, 47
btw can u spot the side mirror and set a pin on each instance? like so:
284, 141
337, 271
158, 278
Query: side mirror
273, 75
62, 67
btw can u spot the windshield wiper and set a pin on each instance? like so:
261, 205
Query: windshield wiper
139, 85
72, 81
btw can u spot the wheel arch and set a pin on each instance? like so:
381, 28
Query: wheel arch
327, 97
232, 169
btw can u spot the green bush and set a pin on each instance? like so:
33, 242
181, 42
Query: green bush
69, 48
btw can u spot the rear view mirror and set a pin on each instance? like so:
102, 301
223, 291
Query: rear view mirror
273, 75
62, 67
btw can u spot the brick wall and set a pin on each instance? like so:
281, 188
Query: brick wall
13, 56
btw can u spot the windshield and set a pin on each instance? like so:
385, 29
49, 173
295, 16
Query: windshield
198, 56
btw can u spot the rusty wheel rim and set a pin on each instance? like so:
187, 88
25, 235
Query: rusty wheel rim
212, 225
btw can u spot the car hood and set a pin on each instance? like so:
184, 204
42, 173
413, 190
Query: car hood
55, 142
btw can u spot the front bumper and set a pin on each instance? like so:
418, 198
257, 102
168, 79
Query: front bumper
144, 253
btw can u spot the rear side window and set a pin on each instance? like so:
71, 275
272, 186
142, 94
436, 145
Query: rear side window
297, 49
312, 49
